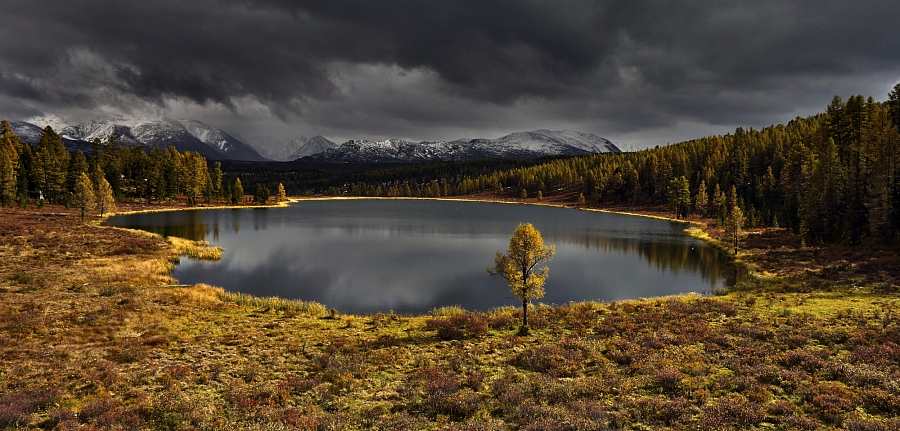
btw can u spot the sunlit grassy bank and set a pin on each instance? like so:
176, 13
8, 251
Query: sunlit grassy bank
94, 335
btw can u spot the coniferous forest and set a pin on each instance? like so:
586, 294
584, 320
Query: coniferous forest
831, 177
96, 334
31, 175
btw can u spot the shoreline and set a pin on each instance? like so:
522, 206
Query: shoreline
94, 334
202, 250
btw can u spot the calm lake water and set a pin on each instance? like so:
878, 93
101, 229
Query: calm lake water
408, 256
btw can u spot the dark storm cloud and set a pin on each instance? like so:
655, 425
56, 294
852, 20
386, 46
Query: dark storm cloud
625, 65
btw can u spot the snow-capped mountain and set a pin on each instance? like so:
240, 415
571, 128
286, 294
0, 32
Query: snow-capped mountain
284, 150
515, 145
185, 135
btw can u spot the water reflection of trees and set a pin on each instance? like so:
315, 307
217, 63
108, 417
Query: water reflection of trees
664, 255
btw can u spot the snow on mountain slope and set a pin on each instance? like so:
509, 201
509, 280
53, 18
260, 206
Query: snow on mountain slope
284, 150
313, 145
185, 135
27, 132
537, 143
222, 141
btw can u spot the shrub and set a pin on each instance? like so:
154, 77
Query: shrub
553, 359
667, 380
440, 393
663, 411
459, 326
732, 409
15, 407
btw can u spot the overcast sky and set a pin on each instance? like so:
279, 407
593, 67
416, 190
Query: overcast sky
634, 71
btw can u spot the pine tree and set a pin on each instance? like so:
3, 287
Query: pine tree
83, 197
718, 205
261, 194
893, 104
105, 200
77, 165
53, 160
679, 196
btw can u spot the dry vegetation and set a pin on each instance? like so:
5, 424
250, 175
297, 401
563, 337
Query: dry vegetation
93, 335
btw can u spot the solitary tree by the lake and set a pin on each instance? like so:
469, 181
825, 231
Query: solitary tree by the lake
281, 196
518, 267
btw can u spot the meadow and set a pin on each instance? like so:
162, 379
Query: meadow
94, 334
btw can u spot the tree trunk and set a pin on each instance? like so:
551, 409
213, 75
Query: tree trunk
524, 313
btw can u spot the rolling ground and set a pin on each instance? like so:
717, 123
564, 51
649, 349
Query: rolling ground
95, 335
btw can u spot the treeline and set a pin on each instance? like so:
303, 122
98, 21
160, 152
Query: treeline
831, 177
31, 175
433, 179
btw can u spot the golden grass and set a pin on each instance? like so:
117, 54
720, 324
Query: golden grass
450, 310
197, 250
309, 308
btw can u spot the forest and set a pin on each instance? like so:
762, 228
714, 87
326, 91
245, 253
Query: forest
48, 172
830, 177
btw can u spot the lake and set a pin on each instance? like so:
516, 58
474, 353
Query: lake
409, 256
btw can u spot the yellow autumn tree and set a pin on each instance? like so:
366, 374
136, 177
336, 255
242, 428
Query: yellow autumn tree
83, 197
105, 200
519, 266
281, 196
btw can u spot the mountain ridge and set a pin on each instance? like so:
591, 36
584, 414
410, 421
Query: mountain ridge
216, 144
186, 135
537, 143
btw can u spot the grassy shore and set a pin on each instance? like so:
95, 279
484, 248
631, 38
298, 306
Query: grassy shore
94, 334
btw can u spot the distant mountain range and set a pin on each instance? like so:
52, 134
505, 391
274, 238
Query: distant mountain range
522, 145
216, 144
284, 150
185, 135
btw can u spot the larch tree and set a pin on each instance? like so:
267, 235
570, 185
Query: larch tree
519, 266
7, 179
215, 180
83, 198
194, 176
237, 192
281, 196
701, 201
733, 226
105, 200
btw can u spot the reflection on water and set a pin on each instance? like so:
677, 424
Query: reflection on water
364, 256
